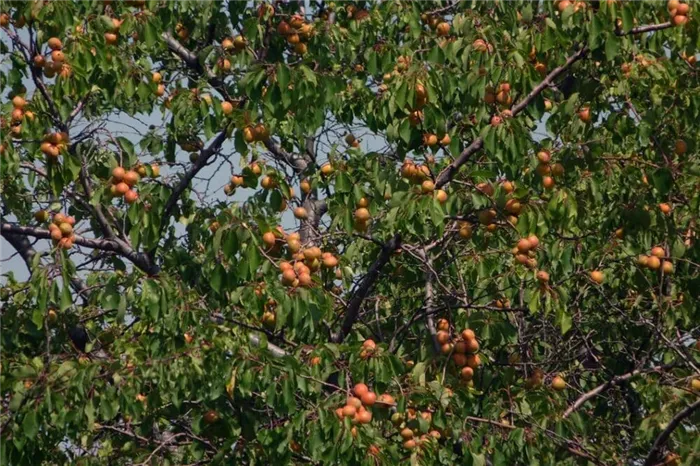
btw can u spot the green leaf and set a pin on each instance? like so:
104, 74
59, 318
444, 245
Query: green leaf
282, 76
662, 180
30, 425
612, 46
343, 183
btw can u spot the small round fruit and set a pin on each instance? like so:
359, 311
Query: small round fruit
658, 251
406, 433
55, 43
131, 178
41, 216
360, 389
524, 245
653, 262
585, 114
667, 267
544, 156
548, 182
269, 239
121, 188
680, 147
326, 169
131, 196
442, 337
369, 398
443, 29
211, 416
468, 334
542, 276
467, 373
362, 214
301, 213
558, 383
471, 345
465, 230
459, 359
226, 108
597, 276
364, 417
665, 208
427, 187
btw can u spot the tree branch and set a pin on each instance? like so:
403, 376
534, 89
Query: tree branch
204, 156
363, 289
646, 28
140, 260
661, 440
446, 175
607, 385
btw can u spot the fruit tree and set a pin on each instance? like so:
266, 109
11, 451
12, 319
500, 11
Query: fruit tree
350, 232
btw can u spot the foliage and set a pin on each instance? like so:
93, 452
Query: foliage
464, 165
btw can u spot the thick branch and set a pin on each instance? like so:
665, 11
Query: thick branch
298, 162
200, 163
663, 436
365, 286
140, 260
607, 385
446, 175
274, 350
190, 58
646, 28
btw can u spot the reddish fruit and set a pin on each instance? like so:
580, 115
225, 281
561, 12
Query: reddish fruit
360, 389
131, 196
131, 178
597, 276
653, 262
121, 188
55, 43
368, 399
467, 373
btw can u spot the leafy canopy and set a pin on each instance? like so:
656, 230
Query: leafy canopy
477, 218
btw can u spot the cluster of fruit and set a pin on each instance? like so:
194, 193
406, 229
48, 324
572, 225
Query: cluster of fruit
357, 407
18, 114
157, 79
463, 348
362, 215
547, 170
61, 229
256, 133
524, 251
123, 182
678, 11
295, 32
536, 379
369, 348
53, 143
501, 95
237, 180
304, 264
657, 259
409, 435
564, 4
269, 318
112, 35
436, 23
57, 63
421, 174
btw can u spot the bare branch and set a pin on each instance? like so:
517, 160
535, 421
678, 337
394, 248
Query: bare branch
646, 28
661, 440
